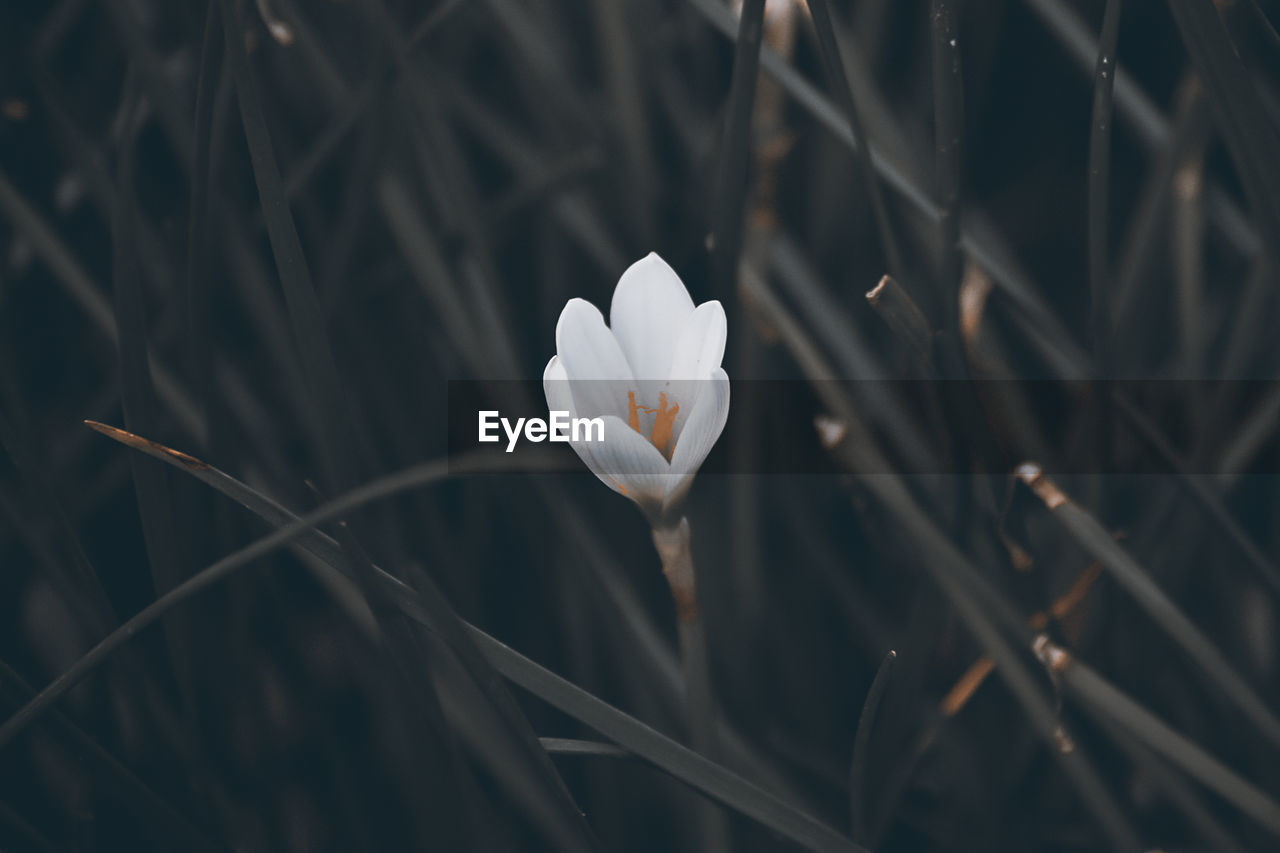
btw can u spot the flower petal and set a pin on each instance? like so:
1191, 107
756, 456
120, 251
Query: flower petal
703, 427
625, 461
555, 384
628, 463
698, 352
598, 373
649, 312
700, 348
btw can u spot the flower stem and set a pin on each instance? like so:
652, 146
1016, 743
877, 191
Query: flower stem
672, 543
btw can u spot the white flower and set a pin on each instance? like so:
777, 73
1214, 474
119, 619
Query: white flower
653, 375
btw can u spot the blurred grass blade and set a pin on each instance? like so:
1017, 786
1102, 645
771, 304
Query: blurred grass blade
682, 763
83, 579
318, 366
730, 193
120, 783
1241, 114
985, 614
629, 733
829, 48
141, 410
1191, 129
948, 146
1138, 109
1100, 188
1095, 538
198, 284
1100, 698
977, 237
1177, 787
1265, 23
31, 835
423, 604
900, 313
862, 743
571, 746
84, 291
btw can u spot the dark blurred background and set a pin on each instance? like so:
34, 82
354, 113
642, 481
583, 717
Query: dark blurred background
274, 254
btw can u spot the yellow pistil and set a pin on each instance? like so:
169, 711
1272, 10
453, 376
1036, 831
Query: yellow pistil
663, 424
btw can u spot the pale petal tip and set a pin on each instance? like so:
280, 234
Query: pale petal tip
552, 364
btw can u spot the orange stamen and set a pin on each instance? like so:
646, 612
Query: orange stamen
664, 423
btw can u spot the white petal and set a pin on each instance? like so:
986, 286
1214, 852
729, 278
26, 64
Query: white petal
598, 373
700, 348
625, 461
555, 384
650, 309
628, 463
704, 426
698, 352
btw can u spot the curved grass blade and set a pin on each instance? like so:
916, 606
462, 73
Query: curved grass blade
1090, 533
424, 605
660, 750
861, 743
1099, 697
683, 764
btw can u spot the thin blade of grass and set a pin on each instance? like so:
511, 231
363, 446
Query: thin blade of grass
1214, 665
1190, 132
423, 604
1099, 697
712, 779
305, 316
1176, 786
141, 409
1265, 23
1099, 190
862, 743
900, 313
730, 192
983, 611
1241, 114
1138, 109
570, 746
84, 291
656, 748
829, 48
198, 286
948, 146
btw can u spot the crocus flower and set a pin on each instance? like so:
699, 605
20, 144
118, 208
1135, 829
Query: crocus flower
653, 375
